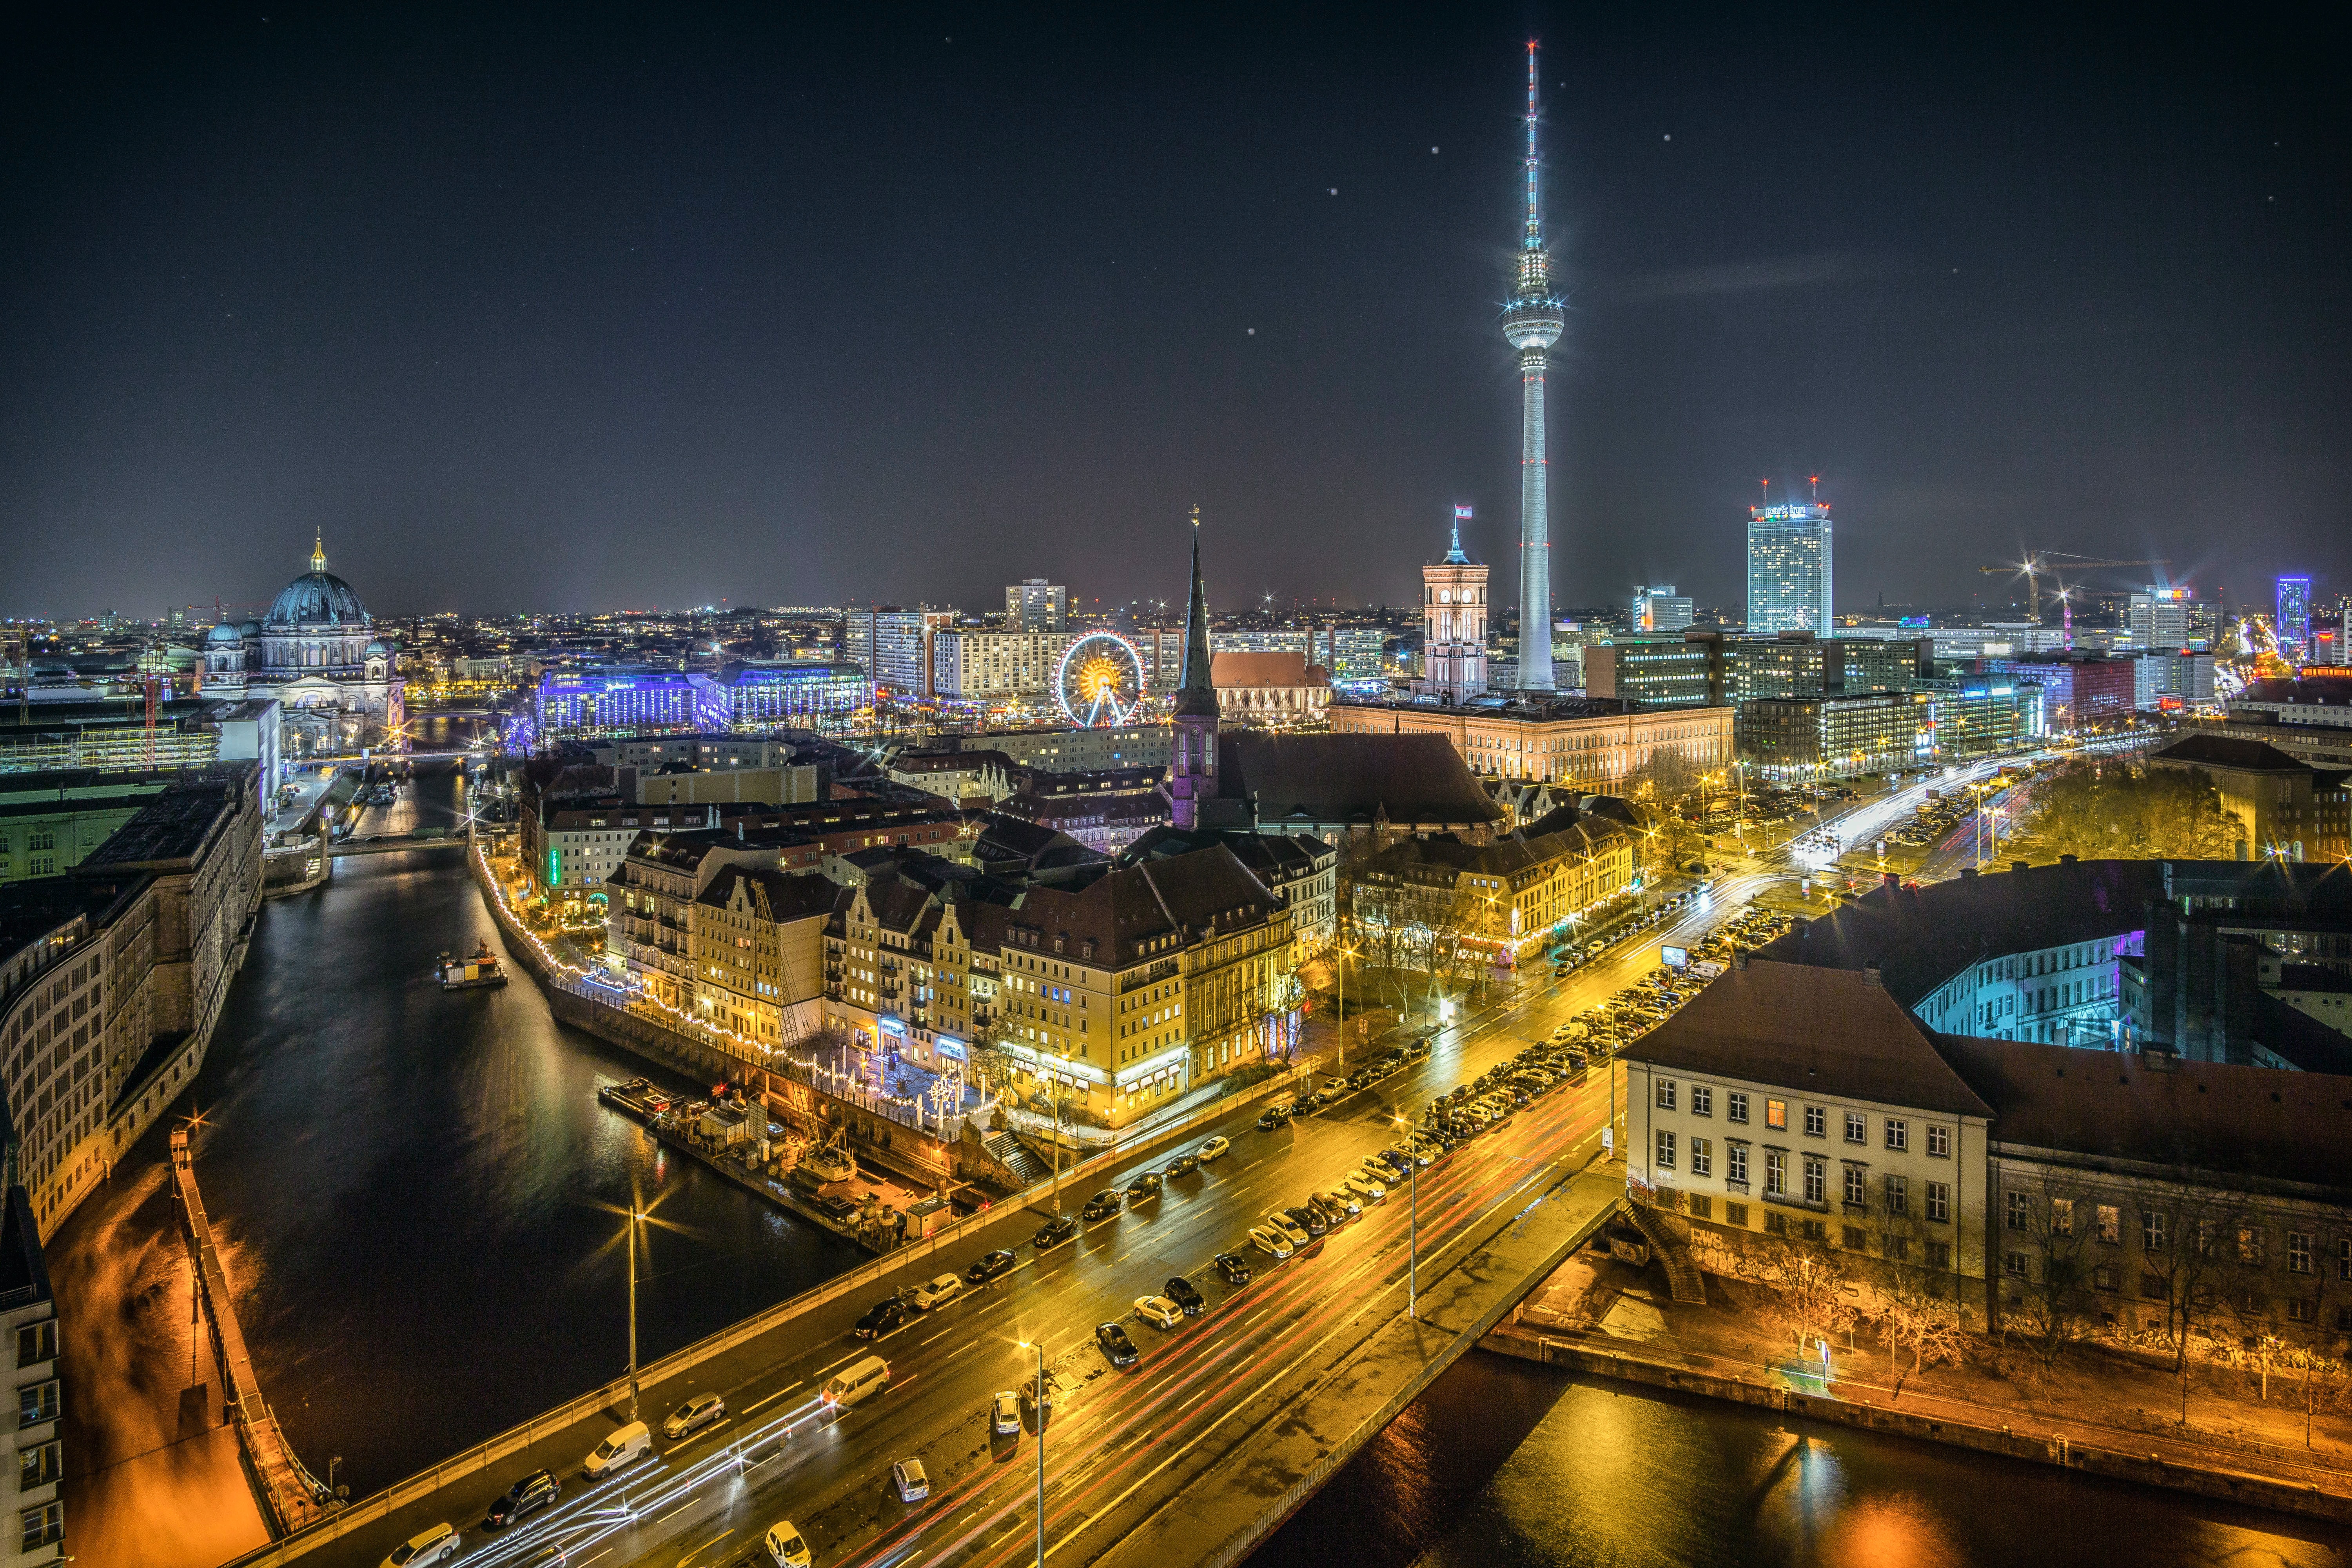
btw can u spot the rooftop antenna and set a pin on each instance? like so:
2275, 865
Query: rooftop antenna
1816, 482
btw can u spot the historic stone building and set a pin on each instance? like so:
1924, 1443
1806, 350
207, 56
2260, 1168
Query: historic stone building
317, 655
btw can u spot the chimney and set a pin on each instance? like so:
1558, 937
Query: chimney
1890, 880
1969, 871
2066, 859
1871, 977
2017, 865
1740, 959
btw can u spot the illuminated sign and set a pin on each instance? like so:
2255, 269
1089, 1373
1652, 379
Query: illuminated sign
891, 1024
948, 1046
1674, 957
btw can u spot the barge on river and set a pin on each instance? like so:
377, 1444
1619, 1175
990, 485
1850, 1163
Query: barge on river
477, 968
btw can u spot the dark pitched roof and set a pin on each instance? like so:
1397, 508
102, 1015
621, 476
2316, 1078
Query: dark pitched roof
2224, 752
774, 895
1351, 779
1819, 1030
1137, 903
1921, 936
2215, 1117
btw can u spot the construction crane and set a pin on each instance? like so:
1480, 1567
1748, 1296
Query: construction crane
2041, 564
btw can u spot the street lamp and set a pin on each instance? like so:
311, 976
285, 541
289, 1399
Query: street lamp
634, 1217
1412, 1245
1039, 1346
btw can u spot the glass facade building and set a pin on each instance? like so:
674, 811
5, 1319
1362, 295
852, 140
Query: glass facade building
1788, 569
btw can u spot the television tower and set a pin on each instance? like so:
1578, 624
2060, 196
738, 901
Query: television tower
1532, 323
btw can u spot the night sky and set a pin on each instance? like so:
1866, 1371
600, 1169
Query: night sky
606, 307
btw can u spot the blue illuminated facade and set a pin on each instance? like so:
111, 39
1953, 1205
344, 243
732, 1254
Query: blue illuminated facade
624, 700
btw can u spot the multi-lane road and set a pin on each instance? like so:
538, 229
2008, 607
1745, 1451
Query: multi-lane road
1117, 1436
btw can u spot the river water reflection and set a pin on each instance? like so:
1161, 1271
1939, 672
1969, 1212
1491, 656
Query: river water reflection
1503, 1463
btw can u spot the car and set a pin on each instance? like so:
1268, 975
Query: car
1366, 1187
1183, 1164
1274, 1244
785, 1547
1214, 1148
696, 1413
1146, 1185
1005, 1414
880, 1318
1309, 1219
938, 1292
1183, 1291
1054, 1232
1288, 1227
1103, 1205
534, 1491
1038, 1396
437, 1544
1158, 1311
1116, 1348
1272, 1118
1336, 1209
906, 1479
1232, 1268
988, 1265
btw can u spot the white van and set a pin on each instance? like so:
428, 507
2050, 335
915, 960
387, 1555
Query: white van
627, 1446
859, 1380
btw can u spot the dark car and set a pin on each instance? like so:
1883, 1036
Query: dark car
1145, 1185
1183, 1291
1330, 1208
535, 1490
1313, 1218
988, 1265
1054, 1232
1234, 1268
1184, 1165
1116, 1347
1102, 1206
881, 1318
1272, 1117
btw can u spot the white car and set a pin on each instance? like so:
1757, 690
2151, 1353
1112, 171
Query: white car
1345, 1200
437, 1544
938, 1292
1366, 1188
1005, 1414
1271, 1242
785, 1547
1158, 1311
1287, 1227
907, 1476
1213, 1148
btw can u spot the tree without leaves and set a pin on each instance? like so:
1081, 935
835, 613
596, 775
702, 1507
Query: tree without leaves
1916, 1316
1815, 1300
2053, 1300
2113, 809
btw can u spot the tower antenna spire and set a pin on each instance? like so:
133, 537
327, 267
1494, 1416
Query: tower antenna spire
1535, 210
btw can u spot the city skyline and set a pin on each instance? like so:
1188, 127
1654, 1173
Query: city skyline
648, 349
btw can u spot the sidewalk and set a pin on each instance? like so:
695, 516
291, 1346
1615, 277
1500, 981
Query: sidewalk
2091, 1395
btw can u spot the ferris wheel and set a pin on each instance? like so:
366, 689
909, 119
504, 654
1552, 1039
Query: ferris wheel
1100, 680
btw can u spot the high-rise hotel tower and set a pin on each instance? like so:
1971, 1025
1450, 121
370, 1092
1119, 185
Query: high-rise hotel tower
1532, 322
1788, 569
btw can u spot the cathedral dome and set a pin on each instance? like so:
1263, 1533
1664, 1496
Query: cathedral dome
317, 598
224, 633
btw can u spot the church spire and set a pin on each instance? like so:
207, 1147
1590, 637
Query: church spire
318, 552
1191, 782
1198, 692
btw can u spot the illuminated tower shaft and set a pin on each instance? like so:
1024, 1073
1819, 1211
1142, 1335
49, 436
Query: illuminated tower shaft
1532, 323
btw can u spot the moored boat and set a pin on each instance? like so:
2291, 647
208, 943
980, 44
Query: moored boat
477, 968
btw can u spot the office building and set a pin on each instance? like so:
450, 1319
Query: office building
2172, 682
1660, 609
2082, 691
970, 666
2293, 618
1033, 604
1972, 716
1789, 570
617, 700
1796, 739
2309, 698
1703, 668
1453, 624
2158, 619
894, 645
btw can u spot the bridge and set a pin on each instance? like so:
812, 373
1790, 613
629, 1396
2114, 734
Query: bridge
393, 843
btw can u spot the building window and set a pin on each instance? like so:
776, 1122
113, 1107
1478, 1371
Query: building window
37, 1403
1939, 1143
2016, 1207
1735, 1163
1939, 1201
2103, 1278
36, 1343
1898, 1195
1702, 1157
1665, 1094
2298, 1252
1702, 1206
1702, 1100
2061, 1216
1816, 1122
2014, 1265
1857, 1186
1817, 1179
1776, 1114
1855, 1239
44, 1526
1776, 1173
2151, 1233
38, 1466
1665, 1150
1898, 1134
1734, 1106
2111, 1223
1737, 1214
1857, 1127
2249, 1246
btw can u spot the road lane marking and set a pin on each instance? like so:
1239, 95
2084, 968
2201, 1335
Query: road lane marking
779, 1393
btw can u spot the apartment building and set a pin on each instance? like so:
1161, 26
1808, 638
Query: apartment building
1509, 895
755, 940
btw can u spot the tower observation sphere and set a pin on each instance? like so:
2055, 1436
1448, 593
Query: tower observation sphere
1532, 323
